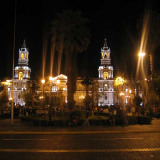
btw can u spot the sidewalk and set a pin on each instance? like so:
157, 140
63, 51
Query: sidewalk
20, 127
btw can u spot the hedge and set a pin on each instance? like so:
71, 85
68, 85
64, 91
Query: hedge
93, 120
98, 120
5, 116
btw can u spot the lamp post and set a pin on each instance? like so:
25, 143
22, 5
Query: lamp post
50, 88
122, 95
14, 40
43, 82
141, 65
141, 57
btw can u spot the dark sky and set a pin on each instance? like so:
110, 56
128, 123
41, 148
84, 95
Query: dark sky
115, 20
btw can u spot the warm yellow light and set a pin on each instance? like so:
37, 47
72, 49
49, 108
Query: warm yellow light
10, 99
20, 75
119, 81
41, 97
7, 83
22, 56
141, 54
81, 97
105, 75
25, 55
43, 81
58, 81
51, 78
121, 94
130, 91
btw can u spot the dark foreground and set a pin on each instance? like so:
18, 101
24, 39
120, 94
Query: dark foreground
110, 143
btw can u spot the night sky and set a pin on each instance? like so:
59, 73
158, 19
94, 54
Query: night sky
114, 20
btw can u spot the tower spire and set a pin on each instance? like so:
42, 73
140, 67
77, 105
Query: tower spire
105, 43
24, 44
105, 54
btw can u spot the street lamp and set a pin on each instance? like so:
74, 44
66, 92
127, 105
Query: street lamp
144, 76
81, 98
51, 78
43, 82
50, 87
122, 95
141, 54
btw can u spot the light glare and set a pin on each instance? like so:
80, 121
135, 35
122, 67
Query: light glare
141, 54
43, 81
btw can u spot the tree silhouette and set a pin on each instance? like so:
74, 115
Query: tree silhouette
72, 37
30, 93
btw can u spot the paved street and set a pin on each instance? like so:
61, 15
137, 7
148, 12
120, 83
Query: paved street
111, 143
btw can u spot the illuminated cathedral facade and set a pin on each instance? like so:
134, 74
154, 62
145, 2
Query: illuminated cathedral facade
21, 75
105, 78
105, 82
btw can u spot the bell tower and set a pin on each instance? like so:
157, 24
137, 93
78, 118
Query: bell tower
105, 54
105, 80
22, 71
105, 70
23, 55
22, 74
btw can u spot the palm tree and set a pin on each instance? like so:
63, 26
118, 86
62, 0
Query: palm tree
72, 38
3, 96
87, 82
95, 93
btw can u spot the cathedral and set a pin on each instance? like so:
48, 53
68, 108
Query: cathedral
21, 75
105, 82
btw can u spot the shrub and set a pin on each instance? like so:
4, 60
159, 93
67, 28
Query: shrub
144, 119
43, 121
76, 117
98, 120
36, 120
5, 115
60, 121
132, 120
101, 114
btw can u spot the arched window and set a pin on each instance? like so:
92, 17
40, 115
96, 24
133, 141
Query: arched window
25, 55
20, 76
22, 56
105, 75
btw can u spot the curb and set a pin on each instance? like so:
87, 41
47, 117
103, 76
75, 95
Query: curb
78, 132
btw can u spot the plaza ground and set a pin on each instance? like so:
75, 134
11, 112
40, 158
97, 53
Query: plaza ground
25, 141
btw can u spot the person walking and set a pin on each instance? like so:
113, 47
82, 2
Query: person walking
112, 119
86, 122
